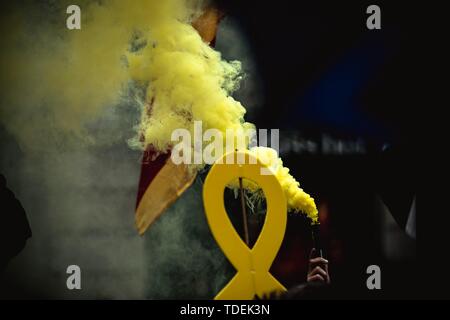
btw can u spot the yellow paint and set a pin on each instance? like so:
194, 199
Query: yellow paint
252, 265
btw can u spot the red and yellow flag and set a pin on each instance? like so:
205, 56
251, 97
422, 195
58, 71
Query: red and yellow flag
161, 181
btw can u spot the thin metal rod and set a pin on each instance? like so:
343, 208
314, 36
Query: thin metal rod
244, 212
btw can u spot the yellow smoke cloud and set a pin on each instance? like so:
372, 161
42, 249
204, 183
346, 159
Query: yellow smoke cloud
297, 199
187, 81
56, 80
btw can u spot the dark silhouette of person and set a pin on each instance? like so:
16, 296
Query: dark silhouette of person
14, 226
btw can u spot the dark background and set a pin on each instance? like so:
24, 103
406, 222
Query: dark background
345, 101
326, 76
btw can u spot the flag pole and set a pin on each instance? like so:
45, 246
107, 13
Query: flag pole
244, 213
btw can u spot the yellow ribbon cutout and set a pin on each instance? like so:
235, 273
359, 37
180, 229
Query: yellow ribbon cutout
252, 265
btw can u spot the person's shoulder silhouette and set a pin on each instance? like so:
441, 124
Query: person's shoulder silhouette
14, 226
